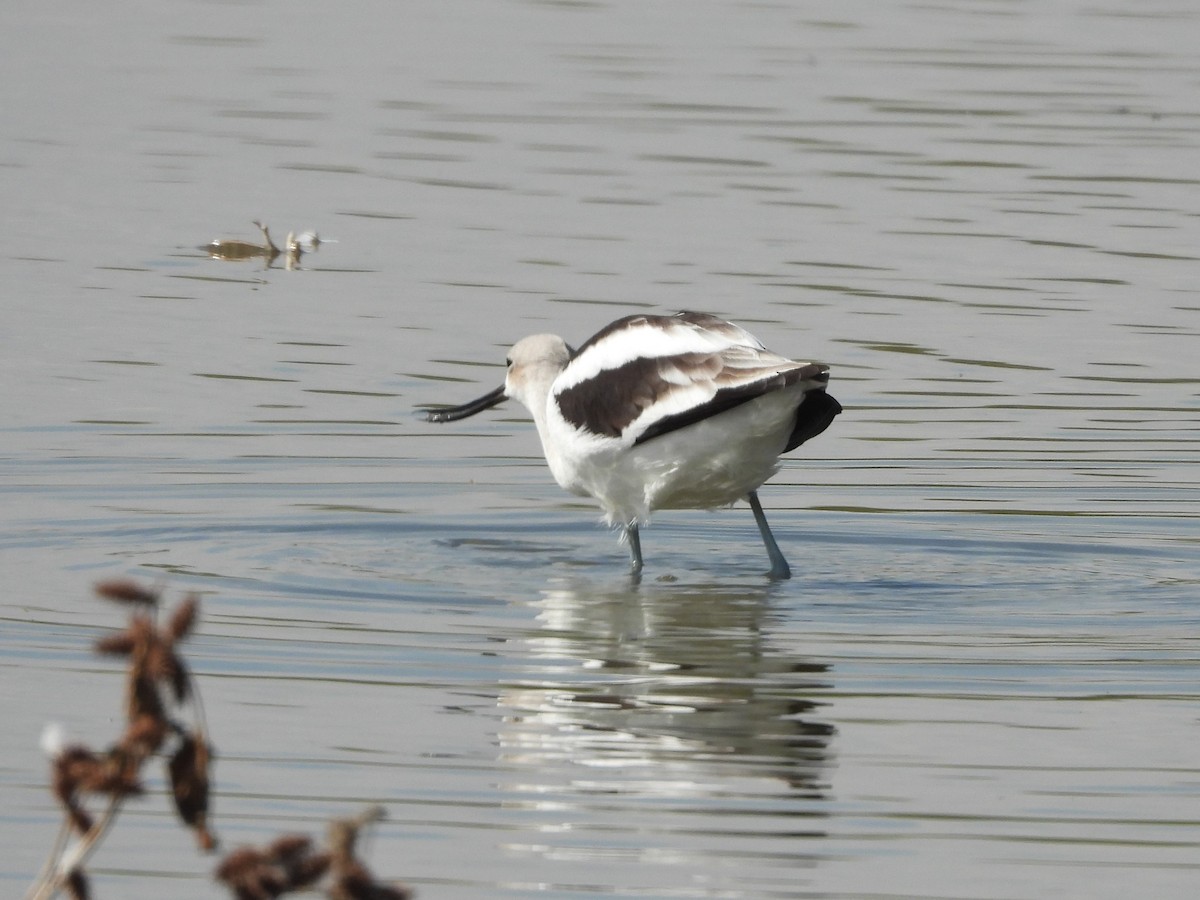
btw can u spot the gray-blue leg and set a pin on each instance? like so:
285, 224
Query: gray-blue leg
635, 546
779, 566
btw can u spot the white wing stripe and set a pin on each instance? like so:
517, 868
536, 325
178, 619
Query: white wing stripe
648, 342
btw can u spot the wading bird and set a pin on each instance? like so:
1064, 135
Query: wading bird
664, 412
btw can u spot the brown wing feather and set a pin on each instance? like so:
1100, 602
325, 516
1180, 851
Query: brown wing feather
728, 398
705, 383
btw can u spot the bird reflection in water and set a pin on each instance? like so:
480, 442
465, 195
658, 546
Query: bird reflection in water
649, 709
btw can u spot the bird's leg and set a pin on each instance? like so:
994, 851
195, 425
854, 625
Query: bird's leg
635, 546
779, 566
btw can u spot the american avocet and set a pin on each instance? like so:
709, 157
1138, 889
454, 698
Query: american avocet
664, 412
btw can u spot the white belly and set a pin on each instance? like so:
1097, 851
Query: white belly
711, 463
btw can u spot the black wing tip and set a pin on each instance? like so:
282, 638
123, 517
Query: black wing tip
814, 415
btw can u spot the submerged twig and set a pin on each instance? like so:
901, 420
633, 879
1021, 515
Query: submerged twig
294, 247
234, 249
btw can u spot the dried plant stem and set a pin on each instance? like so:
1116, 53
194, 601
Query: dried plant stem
197, 704
60, 842
65, 860
158, 685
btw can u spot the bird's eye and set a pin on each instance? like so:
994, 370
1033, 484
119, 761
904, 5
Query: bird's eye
508, 362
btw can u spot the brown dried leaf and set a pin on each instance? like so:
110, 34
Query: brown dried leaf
392, 892
164, 665
144, 699
357, 883
184, 618
286, 865
145, 735
77, 885
237, 863
159, 662
289, 847
80, 819
69, 766
181, 680
119, 644
117, 774
205, 839
188, 770
126, 590
79, 770
308, 871
250, 875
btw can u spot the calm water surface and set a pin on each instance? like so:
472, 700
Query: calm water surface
983, 680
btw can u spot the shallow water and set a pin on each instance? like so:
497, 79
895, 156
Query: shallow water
981, 683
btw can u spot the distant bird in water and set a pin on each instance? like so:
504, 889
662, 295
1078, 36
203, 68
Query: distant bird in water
664, 412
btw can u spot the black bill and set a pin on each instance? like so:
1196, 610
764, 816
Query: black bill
454, 413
